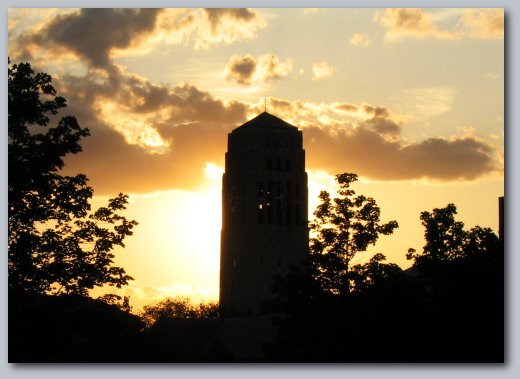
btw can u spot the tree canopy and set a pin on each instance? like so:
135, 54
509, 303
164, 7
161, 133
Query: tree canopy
57, 244
343, 227
179, 307
446, 240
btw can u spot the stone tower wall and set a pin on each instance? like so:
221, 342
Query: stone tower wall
264, 225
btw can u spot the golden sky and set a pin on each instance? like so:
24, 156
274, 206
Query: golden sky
412, 100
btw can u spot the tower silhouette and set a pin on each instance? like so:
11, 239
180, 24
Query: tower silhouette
264, 212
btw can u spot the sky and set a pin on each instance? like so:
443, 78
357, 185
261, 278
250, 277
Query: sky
412, 100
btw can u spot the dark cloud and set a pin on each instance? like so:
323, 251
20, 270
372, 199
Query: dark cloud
346, 107
409, 18
367, 153
241, 69
376, 111
199, 105
93, 33
383, 126
113, 165
247, 69
280, 104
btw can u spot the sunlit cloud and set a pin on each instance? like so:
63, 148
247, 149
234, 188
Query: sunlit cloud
204, 28
322, 70
410, 22
174, 136
188, 127
361, 40
247, 69
417, 23
136, 128
483, 23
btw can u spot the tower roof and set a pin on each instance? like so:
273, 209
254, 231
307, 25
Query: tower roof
266, 121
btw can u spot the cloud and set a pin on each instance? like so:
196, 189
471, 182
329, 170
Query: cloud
346, 107
365, 151
484, 23
453, 24
93, 34
144, 136
226, 25
218, 16
360, 40
367, 139
147, 137
322, 70
247, 69
407, 22
336, 112
99, 35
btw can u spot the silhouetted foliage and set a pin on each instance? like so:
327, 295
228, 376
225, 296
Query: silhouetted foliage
372, 273
178, 308
446, 239
71, 328
56, 243
122, 302
449, 307
343, 227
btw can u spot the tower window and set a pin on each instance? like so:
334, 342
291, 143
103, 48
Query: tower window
269, 164
260, 213
260, 203
296, 214
278, 165
288, 165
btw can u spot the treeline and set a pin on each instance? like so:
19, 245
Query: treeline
74, 328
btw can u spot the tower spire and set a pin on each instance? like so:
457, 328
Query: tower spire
265, 103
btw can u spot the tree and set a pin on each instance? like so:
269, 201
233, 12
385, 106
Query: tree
343, 227
56, 243
121, 302
373, 273
179, 307
446, 239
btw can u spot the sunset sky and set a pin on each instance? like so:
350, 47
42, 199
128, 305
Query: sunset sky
411, 100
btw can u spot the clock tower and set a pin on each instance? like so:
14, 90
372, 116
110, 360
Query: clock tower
264, 212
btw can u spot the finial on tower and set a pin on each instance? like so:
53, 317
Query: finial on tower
265, 103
